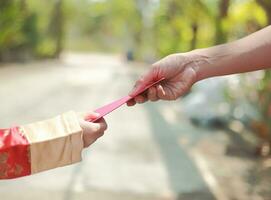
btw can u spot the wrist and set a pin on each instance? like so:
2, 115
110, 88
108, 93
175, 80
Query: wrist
199, 61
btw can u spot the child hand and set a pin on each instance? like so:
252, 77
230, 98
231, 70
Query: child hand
92, 131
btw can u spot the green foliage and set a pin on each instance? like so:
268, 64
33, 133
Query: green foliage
25, 29
111, 25
10, 34
148, 28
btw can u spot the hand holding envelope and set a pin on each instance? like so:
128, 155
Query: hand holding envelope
104, 110
179, 73
168, 79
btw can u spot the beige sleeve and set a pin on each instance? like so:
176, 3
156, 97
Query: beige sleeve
55, 142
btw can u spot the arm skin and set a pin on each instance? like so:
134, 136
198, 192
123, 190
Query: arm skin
247, 54
182, 70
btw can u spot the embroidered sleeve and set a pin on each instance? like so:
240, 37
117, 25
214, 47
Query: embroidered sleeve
14, 154
40, 146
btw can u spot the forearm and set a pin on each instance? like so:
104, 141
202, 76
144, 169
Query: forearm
247, 54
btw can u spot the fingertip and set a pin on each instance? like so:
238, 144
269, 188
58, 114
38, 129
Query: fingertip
131, 103
139, 99
92, 115
136, 87
103, 126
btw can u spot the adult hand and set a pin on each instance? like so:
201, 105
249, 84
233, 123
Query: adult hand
179, 73
92, 131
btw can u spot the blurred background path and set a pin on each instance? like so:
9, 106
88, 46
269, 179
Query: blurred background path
140, 156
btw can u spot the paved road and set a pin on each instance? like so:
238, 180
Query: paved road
140, 156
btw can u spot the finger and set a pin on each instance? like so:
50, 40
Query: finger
90, 132
131, 102
93, 131
161, 92
146, 79
91, 138
93, 128
91, 116
103, 124
137, 86
152, 96
140, 99
87, 142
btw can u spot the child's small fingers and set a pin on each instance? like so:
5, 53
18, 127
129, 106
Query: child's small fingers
102, 124
89, 116
92, 131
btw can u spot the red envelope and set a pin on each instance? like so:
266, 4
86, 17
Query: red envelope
116, 104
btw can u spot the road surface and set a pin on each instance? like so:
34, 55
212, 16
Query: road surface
139, 157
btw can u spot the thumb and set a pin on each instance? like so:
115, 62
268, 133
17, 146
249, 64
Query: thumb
189, 76
145, 80
188, 79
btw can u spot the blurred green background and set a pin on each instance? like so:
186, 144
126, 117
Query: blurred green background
147, 28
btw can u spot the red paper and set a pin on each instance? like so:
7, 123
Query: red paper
116, 104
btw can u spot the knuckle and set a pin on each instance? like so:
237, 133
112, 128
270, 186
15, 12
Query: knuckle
155, 68
154, 71
174, 98
139, 99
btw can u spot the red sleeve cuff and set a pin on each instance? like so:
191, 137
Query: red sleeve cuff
14, 154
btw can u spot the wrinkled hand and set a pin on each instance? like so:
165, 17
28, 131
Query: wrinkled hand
92, 131
179, 74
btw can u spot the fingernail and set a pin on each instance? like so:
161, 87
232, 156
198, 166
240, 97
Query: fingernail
162, 90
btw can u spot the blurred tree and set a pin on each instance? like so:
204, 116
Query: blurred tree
266, 5
56, 27
221, 35
9, 34
198, 13
262, 126
255, 89
145, 28
113, 25
18, 36
179, 26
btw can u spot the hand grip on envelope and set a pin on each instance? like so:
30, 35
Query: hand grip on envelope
104, 110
